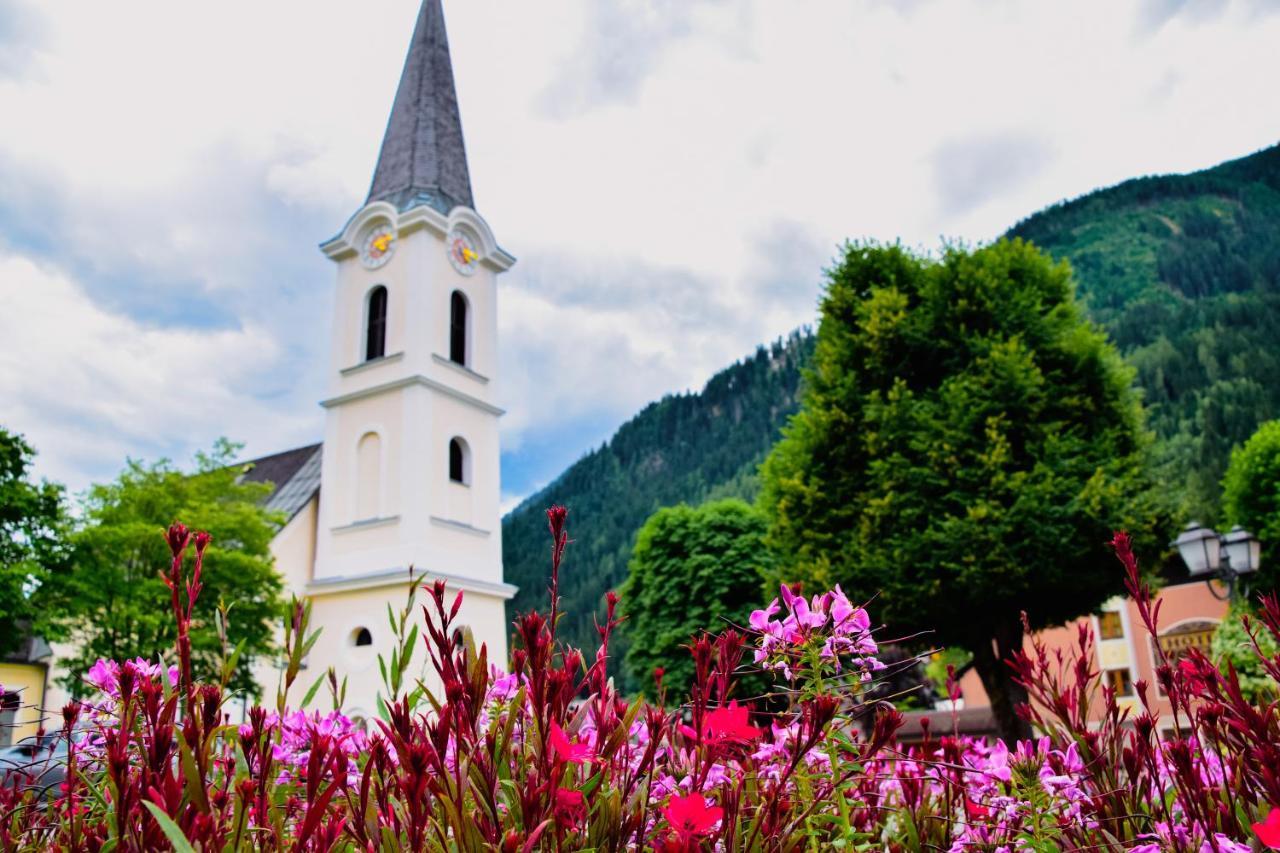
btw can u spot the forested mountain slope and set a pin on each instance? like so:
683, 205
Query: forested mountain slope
1182, 270
1184, 273
686, 447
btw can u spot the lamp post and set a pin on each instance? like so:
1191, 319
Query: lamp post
1213, 556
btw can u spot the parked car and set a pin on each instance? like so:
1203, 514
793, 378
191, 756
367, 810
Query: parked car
35, 762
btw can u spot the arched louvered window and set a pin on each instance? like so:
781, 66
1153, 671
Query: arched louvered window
458, 328
375, 337
459, 463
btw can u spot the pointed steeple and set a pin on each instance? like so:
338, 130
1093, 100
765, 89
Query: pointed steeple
423, 160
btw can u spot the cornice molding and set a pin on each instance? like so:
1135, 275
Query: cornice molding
372, 363
461, 368
416, 379
398, 577
365, 524
459, 525
345, 243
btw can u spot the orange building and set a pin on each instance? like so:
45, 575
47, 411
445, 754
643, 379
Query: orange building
1124, 652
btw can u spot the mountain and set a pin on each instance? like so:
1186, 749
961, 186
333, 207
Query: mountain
1182, 270
686, 447
1184, 273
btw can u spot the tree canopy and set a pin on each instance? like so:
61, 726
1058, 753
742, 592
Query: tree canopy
1251, 495
694, 569
966, 443
113, 603
33, 528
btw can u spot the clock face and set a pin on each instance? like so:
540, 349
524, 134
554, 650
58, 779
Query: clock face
378, 245
462, 252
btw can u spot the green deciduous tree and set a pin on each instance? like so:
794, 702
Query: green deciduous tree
693, 569
1251, 496
114, 604
33, 527
1232, 645
966, 443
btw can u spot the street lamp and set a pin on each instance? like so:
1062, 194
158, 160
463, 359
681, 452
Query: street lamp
1212, 556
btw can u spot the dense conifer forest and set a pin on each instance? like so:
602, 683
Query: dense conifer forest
1182, 270
1184, 273
686, 447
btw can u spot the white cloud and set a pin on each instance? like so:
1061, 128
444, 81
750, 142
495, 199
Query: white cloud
91, 387
671, 176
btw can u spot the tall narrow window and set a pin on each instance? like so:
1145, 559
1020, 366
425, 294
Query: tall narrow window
10, 703
458, 328
458, 461
368, 476
375, 338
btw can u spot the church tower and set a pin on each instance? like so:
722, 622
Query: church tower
409, 472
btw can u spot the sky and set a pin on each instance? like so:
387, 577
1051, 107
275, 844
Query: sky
672, 175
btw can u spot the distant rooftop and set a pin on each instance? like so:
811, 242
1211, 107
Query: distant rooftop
294, 473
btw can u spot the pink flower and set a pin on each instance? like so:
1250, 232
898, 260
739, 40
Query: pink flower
105, 675
569, 752
730, 724
570, 808
1268, 831
690, 816
760, 619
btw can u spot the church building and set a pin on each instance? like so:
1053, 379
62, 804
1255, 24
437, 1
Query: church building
407, 474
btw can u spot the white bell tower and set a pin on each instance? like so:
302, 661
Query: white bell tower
410, 460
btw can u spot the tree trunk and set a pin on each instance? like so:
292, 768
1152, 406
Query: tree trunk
997, 679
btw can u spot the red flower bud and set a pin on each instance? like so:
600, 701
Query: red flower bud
178, 536
202, 539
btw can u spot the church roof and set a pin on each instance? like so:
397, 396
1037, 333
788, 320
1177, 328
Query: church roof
294, 473
423, 160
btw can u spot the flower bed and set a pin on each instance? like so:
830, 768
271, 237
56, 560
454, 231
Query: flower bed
545, 755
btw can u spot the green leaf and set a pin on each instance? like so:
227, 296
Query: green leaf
170, 829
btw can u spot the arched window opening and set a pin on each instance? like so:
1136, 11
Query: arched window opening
361, 637
368, 476
10, 703
375, 338
459, 461
458, 328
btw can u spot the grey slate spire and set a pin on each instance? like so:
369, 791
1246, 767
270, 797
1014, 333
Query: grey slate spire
423, 160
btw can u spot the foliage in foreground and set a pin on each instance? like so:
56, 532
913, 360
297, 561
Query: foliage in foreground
547, 756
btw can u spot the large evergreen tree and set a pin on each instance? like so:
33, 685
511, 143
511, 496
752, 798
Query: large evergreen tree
694, 569
966, 443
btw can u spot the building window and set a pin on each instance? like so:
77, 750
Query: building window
458, 328
361, 637
375, 337
9, 705
459, 461
1119, 681
1110, 625
368, 476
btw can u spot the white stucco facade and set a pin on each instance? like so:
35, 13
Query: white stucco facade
386, 501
